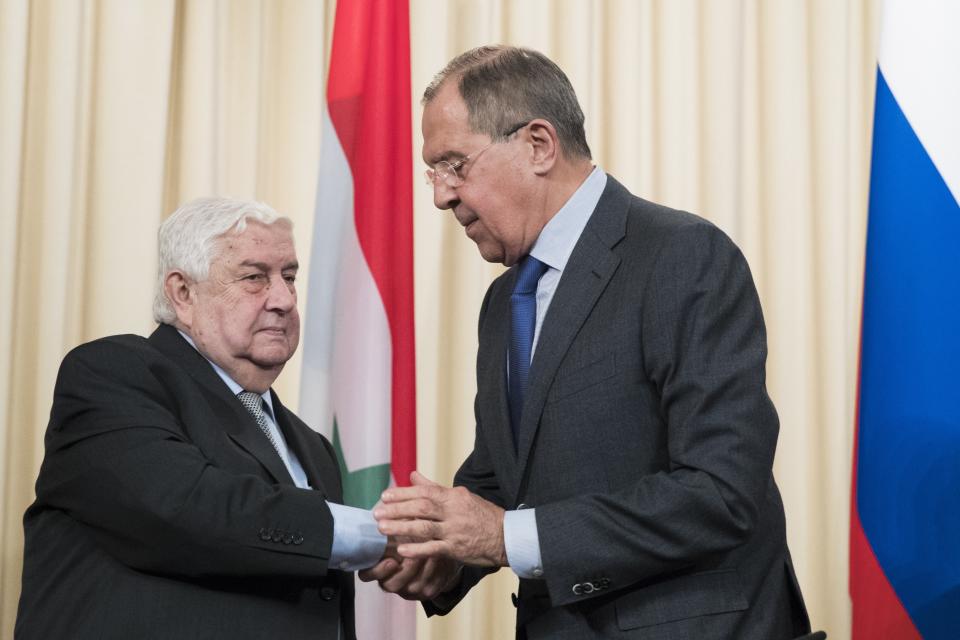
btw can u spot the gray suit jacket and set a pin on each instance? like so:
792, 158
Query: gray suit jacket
647, 439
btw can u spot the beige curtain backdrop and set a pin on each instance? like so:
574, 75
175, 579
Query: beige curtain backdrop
753, 113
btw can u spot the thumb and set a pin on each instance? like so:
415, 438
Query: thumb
417, 479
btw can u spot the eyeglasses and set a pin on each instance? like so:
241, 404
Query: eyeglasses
447, 171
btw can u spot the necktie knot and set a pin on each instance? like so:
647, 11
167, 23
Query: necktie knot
528, 275
253, 403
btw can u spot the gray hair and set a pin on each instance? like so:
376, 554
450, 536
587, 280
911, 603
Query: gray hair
506, 86
188, 240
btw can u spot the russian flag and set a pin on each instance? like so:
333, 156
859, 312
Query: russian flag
905, 516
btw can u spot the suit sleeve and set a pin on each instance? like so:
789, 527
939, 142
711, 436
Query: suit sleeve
704, 348
119, 461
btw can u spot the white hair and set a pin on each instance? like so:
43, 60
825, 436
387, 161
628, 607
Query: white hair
188, 240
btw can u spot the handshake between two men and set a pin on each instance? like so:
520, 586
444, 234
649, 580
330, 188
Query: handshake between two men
620, 390
433, 531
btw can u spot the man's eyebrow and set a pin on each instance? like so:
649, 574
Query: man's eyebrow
446, 156
263, 266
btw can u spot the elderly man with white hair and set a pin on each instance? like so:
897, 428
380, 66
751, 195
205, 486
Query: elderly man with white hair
178, 498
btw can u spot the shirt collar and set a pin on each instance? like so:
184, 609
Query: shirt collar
230, 382
558, 238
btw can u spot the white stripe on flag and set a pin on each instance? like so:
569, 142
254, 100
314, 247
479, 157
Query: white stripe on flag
347, 348
920, 59
347, 360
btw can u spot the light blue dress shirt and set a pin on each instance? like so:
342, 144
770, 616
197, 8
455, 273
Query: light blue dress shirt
553, 248
357, 544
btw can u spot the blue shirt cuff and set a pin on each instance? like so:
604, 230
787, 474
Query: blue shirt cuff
357, 544
522, 543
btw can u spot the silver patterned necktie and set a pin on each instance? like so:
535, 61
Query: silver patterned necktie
253, 402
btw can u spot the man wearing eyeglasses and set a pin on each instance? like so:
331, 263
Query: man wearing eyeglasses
624, 437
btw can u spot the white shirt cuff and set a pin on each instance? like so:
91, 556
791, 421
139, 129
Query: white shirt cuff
357, 544
522, 543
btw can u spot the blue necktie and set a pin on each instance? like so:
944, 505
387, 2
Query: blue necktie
523, 322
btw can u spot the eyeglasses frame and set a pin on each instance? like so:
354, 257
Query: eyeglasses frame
438, 172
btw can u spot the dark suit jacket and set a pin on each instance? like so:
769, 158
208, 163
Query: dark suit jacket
647, 439
162, 511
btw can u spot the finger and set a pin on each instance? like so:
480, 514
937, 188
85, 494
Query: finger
438, 576
366, 575
419, 508
400, 581
380, 571
428, 582
400, 494
416, 529
431, 548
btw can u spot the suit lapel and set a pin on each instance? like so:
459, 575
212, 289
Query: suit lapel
235, 420
493, 402
586, 275
297, 441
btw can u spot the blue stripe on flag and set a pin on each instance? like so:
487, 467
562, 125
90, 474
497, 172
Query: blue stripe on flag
908, 485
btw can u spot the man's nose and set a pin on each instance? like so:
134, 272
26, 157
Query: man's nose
444, 196
281, 295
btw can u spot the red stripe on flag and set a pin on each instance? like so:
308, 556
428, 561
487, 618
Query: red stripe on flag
368, 97
877, 611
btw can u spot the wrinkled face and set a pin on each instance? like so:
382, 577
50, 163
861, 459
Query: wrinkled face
245, 312
494, 201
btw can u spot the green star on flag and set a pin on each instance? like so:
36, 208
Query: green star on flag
361, 487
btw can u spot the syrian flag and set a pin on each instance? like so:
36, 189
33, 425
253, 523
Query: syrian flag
358, 384
905, 520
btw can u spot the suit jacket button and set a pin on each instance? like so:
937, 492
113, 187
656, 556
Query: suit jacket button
522, 505
298, 538
288, 538
276, 535
514, 599
578, 589
264, 534
328, 593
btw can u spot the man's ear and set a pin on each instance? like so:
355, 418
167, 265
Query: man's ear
179, 291
545, 145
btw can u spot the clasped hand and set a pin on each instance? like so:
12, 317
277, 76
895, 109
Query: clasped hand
437, 530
